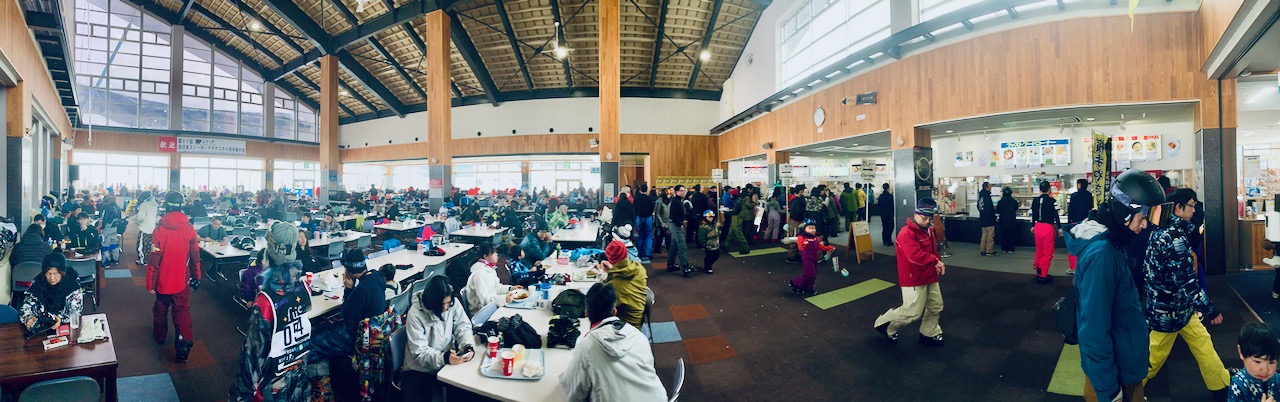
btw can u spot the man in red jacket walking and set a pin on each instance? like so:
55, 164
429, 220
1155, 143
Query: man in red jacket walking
919, 266
174, 264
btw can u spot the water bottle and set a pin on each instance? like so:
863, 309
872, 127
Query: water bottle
557, 251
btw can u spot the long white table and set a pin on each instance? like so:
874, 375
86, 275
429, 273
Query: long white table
584, 232
467, 375
350, 236
400, 226
479, 234
427, 265
221, 251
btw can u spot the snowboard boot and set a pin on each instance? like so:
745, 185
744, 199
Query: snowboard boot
183, 350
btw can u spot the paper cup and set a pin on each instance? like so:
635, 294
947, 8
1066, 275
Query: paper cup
508, 363
493, 347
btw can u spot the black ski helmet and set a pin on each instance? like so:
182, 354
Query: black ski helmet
1137, 187
173, 200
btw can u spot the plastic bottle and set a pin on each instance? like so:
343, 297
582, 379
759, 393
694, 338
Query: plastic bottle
557, 250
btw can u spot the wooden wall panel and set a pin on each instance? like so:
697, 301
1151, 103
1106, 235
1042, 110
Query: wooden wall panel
1083, 61
1215, 16
669, 155
19, 49
127, 142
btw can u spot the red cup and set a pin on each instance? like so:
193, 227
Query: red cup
307, 281
508, 363
493, 347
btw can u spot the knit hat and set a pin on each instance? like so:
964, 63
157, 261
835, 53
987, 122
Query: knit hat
353, 260
615, 251
926, 207
282, 242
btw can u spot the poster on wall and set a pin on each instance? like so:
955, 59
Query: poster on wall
1151, 147
1034, 157
868, 170
1137, 147
1175, 148
755, 173
960, 159
1033, 153
1120, 146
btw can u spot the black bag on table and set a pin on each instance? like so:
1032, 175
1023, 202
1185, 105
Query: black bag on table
513, 330
563, 331
570, 303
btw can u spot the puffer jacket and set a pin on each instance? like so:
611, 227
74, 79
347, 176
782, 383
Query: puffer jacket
612, 362
147, 216
1114, 341
917, 250
1173, 288
431, 337
31, 248
630, 280
178, 257
661, 209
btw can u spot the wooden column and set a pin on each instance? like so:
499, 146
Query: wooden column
610, 96
330, 168
19, 195
439, 120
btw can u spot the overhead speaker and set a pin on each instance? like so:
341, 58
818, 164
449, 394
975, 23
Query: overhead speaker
73, 172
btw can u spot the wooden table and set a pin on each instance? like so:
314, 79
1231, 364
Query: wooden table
23, 363
467, 375
427, 265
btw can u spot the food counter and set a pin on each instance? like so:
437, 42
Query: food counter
968, 229
1252, 242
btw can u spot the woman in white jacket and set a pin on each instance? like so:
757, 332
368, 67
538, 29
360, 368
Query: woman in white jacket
146, 221
483, 287
438, 331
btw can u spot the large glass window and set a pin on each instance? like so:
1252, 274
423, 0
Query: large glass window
561, 177
122, 65
226, 95
296, 174
358, 177
820, 32
487, 176
403, 177
250, 103
930, 9
286, 120
221, 173
121, 169
197, 85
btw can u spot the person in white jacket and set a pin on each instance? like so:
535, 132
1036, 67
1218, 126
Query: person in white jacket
439, 333
483, 287
146, 220
613, 360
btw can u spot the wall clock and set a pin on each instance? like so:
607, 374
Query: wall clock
819, 117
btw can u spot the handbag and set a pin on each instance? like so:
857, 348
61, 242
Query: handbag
1064, 313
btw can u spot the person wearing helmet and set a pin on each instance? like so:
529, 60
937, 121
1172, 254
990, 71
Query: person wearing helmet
1112, 331
146, 217
919, 267
173, 270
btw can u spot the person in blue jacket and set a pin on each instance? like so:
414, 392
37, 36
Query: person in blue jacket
1114, 342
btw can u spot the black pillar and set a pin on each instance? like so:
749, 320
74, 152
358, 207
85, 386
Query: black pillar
608, 182
912, 180
1216, 155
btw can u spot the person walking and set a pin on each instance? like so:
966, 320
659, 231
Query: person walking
661, 220
862, 202
848, 204
624, 211
1175, 302
173, 272
884, 205
644, 223
1077, 211
796, 209
1113, 335
1044, 218
1007, 212
773, 216
698, 204
919, 266
987, 218
677, 257
145, 218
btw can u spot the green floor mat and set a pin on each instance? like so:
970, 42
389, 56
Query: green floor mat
763, 251
844, 295
1068, 377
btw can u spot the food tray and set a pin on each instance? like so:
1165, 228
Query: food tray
530, 355
526, 304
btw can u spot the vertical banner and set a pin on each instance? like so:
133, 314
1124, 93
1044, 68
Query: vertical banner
1100, 168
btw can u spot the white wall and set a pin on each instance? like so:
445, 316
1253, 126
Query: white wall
755, 76
944, 149
568, 115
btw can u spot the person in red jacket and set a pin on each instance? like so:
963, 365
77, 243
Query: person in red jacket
174, 264
919, 266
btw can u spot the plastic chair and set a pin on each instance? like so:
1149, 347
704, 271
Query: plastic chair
72, 389
24, 273
8, 315
335, 251
679, 380
484, 314
88, 280
649, 300
367, 226
462, 298
241, 231
399, 341
364, 242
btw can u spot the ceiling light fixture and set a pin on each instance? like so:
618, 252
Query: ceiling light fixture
255, 26
360, 5
705, 55
950, 131
344, 93
1089, 118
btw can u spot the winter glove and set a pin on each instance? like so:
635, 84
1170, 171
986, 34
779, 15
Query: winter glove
194, 284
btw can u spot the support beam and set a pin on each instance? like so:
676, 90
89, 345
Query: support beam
403, 75
657, 43
555, 14
330, 167
515, 43
186, 8
610, 96
706, 41
296, 93
359, 98
439, 118
237, 32
271, 28
967, 24
366, 79
346, 12
293, 15
468, 50
559, 93
315, 87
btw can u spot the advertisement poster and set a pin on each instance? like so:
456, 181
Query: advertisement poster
1034, 157
1120, 147
193, 145
960, 159
755, 173
993, 160
1033, 153
1151, 147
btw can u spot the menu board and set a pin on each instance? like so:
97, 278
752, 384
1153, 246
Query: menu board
1034, 153
1137, 147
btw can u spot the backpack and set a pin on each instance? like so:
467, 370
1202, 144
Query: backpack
570, 303
513, 330
1064, 312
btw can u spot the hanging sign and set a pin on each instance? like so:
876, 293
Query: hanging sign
195, 145
868, 170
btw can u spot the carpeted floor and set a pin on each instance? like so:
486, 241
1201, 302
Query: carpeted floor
743, 335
